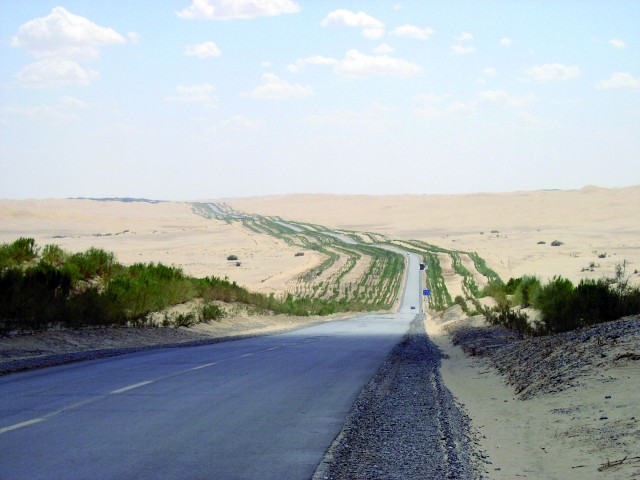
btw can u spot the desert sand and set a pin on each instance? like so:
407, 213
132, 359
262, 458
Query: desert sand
596, 226
165, 232
504, 228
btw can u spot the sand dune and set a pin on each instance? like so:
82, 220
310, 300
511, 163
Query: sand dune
163, 232
504, 228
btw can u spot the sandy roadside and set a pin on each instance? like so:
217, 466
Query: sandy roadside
553, 436
43, 345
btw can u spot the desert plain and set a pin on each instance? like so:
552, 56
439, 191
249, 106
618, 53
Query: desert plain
597, 229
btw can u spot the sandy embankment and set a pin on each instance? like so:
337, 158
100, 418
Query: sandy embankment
563, 435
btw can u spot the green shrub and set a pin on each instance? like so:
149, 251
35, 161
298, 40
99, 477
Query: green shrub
508, 318
497, 290
53, 254
554, 302
95, 262
211, 311
185, 320
20, 251
459, 300
526, 290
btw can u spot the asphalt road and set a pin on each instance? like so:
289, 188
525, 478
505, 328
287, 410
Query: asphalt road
260, 408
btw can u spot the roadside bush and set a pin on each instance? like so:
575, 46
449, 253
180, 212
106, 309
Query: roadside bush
497, 290
508, 318
211, 311
459, 300
512, 285
185, 320
20, 251
526, 290
554, 302
53, 254
95, 262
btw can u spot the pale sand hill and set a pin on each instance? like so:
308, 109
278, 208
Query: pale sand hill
589, 221
164, 232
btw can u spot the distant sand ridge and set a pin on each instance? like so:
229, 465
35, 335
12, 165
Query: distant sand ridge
589, 222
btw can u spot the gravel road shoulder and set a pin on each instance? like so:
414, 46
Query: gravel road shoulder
405, 423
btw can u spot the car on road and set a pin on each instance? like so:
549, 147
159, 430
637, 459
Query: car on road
413, 307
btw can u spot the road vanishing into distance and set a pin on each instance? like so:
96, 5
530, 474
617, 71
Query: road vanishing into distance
260, 408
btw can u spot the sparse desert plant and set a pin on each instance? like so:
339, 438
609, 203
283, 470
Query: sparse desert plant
211, 311
53, 254
185, 319
602, 255
554, 300
232, 257
497, 290
526, 290
299, 254
20, 251
556, 243
542, 242
513, 320
459, 300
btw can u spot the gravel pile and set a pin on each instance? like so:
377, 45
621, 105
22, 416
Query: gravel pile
405, 424
553, 363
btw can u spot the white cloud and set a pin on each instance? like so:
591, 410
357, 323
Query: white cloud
71, 103
620, 80
384, 48
553, 72
241, 9
373, 33
617, 43
239, 122
506, 42
456, 108
528, 119
347, 18
501, 97
314, 60
434, 105
487, 72
265, 64
371, 27
372, 118
202, 50
274, 88
462, 49
64, 35
195, 94
432, 97
356, 64
134, 37
412, 31
42, 113
464, 37
53, 73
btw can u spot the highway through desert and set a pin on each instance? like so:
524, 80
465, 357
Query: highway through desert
265, 407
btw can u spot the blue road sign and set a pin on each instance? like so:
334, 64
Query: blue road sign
426, 292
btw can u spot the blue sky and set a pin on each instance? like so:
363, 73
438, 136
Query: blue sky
192, 99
